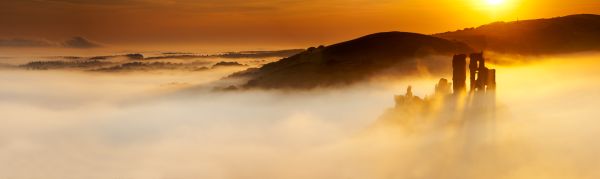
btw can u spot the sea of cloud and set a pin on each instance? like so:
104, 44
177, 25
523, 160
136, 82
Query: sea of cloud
56, 124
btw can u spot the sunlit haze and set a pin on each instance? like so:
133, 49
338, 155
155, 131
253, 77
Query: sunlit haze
251, 23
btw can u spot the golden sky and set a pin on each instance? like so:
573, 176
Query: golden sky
281, 22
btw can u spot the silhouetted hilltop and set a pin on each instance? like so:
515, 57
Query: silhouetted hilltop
54, 65
79, 42
151, 66
352, 61
227, 64
132, 56
242, 54
566, 34
261, 54
74, 42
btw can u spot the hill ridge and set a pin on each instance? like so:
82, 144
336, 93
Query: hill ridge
564, 34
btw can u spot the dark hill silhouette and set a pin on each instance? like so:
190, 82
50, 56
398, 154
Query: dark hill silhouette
566, 34
79, 42
352, 61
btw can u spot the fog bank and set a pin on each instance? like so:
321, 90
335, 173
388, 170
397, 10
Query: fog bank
75, 125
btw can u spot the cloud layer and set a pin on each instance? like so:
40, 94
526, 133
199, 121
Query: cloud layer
81, 125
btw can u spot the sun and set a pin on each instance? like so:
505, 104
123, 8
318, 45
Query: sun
495, 6
495, 2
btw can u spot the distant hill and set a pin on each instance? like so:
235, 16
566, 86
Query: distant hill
80, 42
403, 54
566, 34
242, 54
352, 61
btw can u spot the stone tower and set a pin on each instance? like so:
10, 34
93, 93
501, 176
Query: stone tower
459, 73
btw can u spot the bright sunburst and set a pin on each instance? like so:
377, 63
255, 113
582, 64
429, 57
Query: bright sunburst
495, 2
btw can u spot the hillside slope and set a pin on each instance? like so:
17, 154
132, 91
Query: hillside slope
566, 34
352, 61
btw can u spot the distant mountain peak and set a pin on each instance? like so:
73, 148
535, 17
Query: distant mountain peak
79, 42
74, 42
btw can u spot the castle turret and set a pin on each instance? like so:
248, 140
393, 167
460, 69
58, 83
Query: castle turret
442, 88
492, 79
482, 78
459, 73
475, 63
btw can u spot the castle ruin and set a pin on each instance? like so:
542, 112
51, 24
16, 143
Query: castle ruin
482, 80
459, 108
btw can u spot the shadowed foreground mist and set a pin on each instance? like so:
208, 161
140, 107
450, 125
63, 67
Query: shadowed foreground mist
75, 125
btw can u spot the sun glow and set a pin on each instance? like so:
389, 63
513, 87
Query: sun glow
495, 2
495, 8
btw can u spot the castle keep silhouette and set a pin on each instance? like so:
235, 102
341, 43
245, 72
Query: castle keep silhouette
466, 109
481, 77
457, 109
482, 81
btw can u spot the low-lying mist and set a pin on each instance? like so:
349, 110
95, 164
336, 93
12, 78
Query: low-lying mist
58, 124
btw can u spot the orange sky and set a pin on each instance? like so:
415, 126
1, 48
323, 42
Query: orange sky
260, 22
